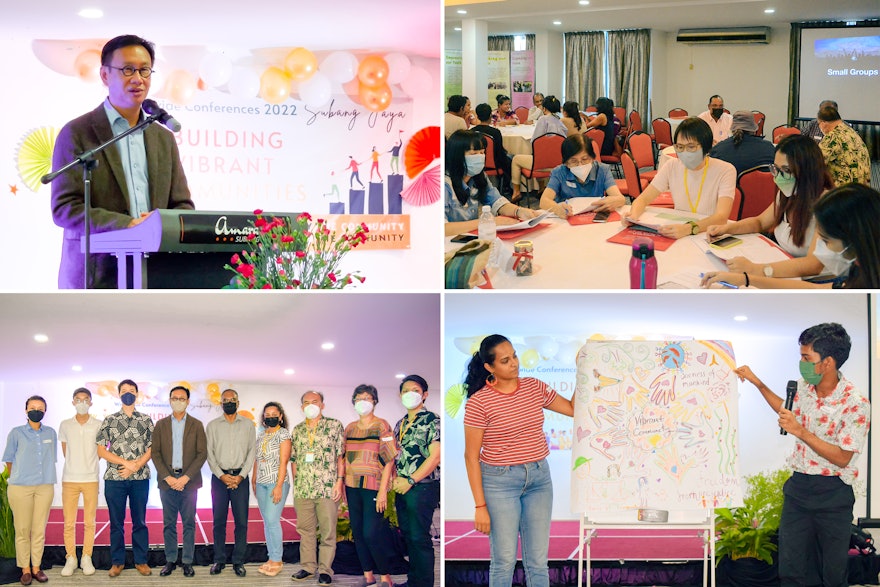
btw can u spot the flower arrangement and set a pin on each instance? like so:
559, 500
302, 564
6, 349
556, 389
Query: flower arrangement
299, 254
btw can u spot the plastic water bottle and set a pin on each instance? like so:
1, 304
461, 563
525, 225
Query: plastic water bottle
486, 227
643, 265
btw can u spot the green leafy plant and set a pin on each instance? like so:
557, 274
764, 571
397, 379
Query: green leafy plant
343, 521
748, 531
7, 531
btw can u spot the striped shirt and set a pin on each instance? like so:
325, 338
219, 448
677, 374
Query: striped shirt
512, 423
367, 451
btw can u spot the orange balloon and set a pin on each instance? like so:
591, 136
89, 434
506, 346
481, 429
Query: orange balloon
180, 86
301, 64
375, 99
88, 65
373, 71
274, 86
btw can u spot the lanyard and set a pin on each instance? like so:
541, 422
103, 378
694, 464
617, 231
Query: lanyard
406, 427
265, 444
700, 193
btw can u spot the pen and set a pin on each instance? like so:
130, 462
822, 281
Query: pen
723, 283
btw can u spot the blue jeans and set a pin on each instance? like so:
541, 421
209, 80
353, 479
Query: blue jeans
271, 513
183, 503
520, 503
135, 492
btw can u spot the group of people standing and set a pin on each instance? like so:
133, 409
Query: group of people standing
360, 462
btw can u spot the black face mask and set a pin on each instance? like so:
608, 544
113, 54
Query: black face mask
230, 408
270, 422
35, 415
717, 112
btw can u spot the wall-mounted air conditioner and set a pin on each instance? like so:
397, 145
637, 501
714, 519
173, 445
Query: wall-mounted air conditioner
760, 34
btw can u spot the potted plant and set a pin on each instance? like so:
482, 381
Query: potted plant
746, 536
346, 561
8, 570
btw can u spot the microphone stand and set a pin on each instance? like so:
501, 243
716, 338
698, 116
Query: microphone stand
88, 162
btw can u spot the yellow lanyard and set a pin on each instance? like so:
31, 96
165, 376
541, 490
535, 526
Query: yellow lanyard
404, 429
265, 444
311, 435
700, 193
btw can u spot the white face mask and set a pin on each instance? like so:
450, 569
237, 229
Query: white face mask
834, 262
411, 399
582, 171
363, 407
178, 407
82, 408
691, 160
311, 411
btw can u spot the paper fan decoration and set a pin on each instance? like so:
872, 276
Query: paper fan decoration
453, 400
423, 148
35, 156
425, 190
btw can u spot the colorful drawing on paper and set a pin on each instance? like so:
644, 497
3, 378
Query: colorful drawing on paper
655, 426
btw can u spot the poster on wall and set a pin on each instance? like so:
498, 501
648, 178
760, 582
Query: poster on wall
522, 76
655, 426
498, 76
452, 74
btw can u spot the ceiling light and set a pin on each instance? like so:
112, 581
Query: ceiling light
400, 375
584, 2
461, 11
288, 371
458, 28
77, 368
557, 22
91, 13
769, 10
41, 338
740, 318
328, 346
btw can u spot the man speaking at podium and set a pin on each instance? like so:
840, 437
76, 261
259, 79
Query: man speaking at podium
140, 173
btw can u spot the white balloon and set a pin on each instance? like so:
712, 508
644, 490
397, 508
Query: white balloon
244, 83
418, 83
339, 66
316, 90
215, 69
548, 348
398, 67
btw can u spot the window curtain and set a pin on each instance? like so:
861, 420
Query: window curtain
584, 67
629, 66
505, 43
870, 133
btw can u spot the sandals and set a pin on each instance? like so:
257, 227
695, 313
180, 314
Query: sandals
270, 568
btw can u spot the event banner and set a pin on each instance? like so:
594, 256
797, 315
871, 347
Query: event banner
522, 74
452, 74
498, 75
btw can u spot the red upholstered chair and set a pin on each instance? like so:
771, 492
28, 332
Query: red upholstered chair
546, 154
737, 204
635, 122
597, 136
758, 190
678, 113
596, 147
489, 168
641, 147
632, 184
620, 114
591, 109
783, 130
759, 120
522, 113
662, 133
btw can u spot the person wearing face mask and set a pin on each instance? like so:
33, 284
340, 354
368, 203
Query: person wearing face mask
417, 483
370, 450
231, 454
698, 183
78, 436
125, 441
317, 467
269, 481
717, 119
180, 448
30, 455
547, 124
506, 458
580, 176
829, 421
468, 189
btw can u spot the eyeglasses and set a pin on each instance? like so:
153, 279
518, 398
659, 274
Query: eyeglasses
582, 161
782, 172
178, 400
128, 71
690, 147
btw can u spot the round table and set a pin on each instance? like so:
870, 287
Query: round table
518, 139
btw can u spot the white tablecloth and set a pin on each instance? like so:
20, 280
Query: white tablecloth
518, 139
665, 155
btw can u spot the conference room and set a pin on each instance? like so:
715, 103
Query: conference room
660, 64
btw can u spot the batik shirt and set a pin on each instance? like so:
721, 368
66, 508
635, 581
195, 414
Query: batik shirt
846, 156
269, 455
128, 438
315, 453
367, 451
842, 419
414, 440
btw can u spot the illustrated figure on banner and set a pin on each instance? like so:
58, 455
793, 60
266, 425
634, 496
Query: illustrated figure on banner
394, 164
355, 176
374, 156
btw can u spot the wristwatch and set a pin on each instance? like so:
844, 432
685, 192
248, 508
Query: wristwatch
768, 271
695, 228
410, 480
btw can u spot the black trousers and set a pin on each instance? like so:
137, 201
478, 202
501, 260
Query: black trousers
221, 498
814, 531
415, 513
370, 530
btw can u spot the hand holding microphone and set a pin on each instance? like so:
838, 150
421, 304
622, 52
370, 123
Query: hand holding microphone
790, 392
153, 109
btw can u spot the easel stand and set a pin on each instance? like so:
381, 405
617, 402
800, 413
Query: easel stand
705, 530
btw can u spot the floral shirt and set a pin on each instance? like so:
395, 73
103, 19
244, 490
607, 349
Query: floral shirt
499, 116
128, 438
846, 156
315, 453
414, 440
841, 419
269, 455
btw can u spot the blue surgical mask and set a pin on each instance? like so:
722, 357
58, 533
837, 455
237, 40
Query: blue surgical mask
474, 163
128, 399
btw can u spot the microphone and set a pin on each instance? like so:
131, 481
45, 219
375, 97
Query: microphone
153, 109
790, 391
